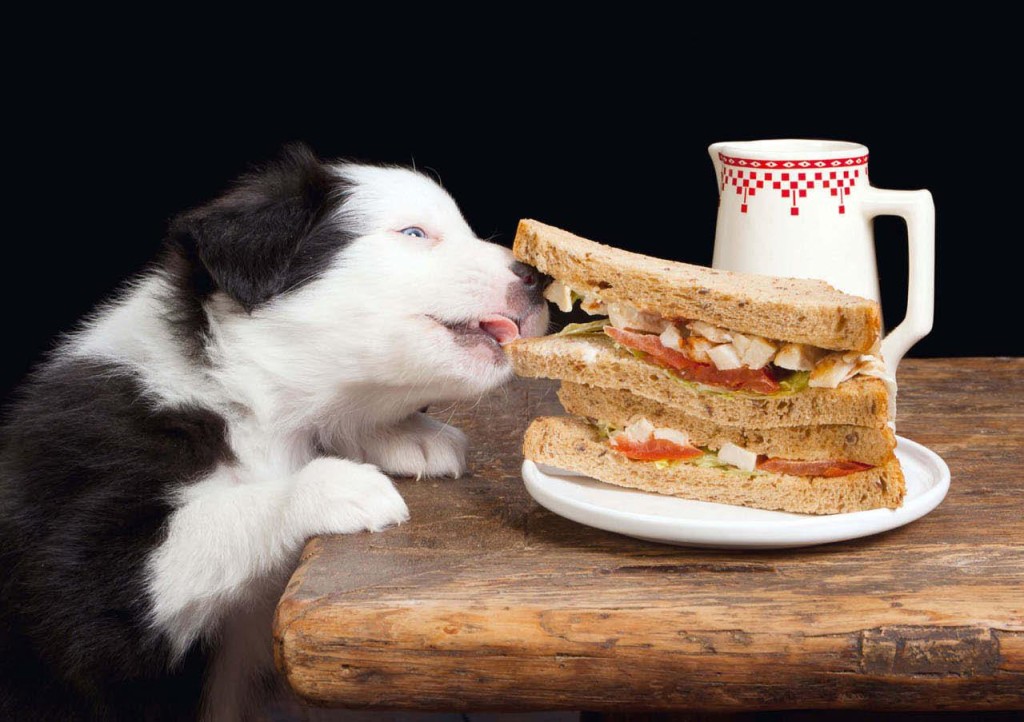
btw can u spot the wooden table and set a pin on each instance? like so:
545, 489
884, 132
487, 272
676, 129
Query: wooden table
485, 601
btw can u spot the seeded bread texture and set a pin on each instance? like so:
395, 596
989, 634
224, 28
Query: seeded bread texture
868, 445
573, 444
595, 361
785, 309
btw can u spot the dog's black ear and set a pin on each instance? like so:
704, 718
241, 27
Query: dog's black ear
267, 234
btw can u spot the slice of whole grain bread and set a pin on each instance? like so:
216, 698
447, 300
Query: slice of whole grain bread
573, 444
835, 442
784, 309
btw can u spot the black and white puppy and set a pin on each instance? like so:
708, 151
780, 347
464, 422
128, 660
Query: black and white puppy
161, 471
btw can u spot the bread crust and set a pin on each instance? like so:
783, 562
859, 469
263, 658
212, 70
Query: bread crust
573, 444
595, 361
831, 442
784, 309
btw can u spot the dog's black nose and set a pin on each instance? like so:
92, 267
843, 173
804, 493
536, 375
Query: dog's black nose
531, 284
530, 276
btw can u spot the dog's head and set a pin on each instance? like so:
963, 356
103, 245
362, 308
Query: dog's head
331, 273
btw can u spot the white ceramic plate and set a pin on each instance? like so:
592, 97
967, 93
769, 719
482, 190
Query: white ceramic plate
671, 520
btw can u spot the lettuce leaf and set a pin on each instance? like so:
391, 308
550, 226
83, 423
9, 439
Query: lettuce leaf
794, 383
590, 328
710, 460
605, 428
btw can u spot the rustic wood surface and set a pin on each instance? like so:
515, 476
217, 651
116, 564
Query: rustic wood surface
486, 601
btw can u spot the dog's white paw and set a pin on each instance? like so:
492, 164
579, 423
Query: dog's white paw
417, 446
337, 496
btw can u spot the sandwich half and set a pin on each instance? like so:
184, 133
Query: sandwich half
573, 443
711, 385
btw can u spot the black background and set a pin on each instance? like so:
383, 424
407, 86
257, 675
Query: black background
108, 148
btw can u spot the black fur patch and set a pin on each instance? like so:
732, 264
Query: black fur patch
86, 464
274, 231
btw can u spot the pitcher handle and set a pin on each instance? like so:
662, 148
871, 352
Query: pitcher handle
918, 210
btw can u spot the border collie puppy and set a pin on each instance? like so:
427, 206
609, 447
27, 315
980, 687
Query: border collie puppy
160, 472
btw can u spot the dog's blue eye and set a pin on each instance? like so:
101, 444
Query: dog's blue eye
414, 232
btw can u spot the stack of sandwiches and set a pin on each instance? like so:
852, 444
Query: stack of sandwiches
710, 385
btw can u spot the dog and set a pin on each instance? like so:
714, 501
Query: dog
160, 472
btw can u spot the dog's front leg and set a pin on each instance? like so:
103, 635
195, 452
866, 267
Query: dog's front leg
234, 528
418, 445
230, 546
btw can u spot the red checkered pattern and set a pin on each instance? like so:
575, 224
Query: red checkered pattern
790, 184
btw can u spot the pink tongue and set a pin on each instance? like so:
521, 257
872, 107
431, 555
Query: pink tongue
501, 328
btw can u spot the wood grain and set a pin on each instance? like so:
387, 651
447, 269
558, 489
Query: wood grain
486, 601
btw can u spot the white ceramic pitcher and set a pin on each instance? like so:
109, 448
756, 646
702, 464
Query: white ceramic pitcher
803, 208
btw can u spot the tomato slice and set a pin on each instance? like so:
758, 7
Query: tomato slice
758, 380
812, 468
653, 449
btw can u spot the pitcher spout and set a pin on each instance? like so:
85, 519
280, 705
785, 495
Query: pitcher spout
714, 150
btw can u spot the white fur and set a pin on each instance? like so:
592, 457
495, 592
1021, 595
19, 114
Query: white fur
342, 363
416, 446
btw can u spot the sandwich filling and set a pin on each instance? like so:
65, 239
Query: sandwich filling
701, 353
642, 441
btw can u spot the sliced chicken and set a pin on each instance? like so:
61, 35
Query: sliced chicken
560, 295
639, 430
625, 316
694, 347
670, 337
676, 437
754, 352
593, 305
833, 370
798, 356
711, 333
724, 357
738, 456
